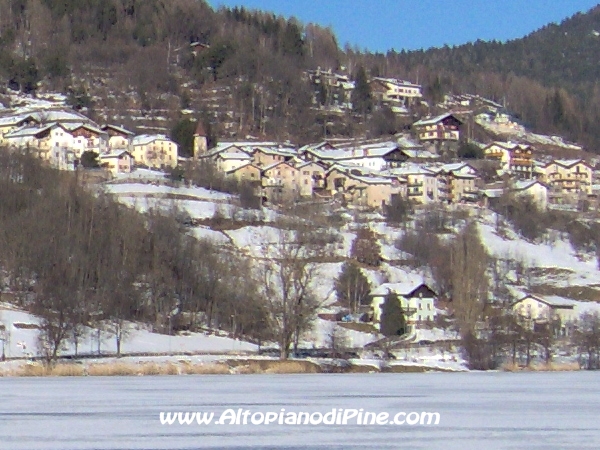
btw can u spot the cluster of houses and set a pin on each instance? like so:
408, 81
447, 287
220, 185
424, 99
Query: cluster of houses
367, 174
370, 174
337, 88
60, 136
418, 303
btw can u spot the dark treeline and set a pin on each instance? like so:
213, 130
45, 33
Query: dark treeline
549, 78
80, 260
90, 48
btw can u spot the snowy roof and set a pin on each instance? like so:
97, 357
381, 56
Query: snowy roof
249, 145
405, 288
551, 300
492, 193
144, 139
420, 154
410, 169
315, 146
234, 155
72, 126
372, 150
452, 168
248, 164
274, 150
433, 120
302, 164
14, 116
362, 174
508, 145
522, 185
115, 154
396, 81
117, 129
405, 143
568, 162
270, 166
28, 130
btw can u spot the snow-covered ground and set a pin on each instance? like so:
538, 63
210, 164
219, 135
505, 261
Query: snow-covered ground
131, 189
477, 411
22, 339
558, 255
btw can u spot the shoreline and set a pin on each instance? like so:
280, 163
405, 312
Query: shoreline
235, 366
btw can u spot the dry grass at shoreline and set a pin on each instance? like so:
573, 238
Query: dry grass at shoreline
231, 366
542, 367
254, 366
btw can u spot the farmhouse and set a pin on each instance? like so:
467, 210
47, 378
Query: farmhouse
416, 298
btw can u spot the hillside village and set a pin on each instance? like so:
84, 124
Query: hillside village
433, 163
420, 169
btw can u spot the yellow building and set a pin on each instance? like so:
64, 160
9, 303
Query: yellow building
154, 151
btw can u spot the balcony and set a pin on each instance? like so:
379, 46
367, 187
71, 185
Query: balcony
415, 184
521, 162
415, 193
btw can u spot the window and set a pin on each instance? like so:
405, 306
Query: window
305, 172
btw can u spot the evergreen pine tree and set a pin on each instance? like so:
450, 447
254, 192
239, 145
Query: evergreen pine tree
393, 322
362, 101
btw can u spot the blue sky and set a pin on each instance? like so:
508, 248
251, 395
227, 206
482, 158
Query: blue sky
380, 25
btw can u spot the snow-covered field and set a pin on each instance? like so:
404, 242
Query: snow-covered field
22, 340
477, 411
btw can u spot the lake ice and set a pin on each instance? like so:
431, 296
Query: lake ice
478, 411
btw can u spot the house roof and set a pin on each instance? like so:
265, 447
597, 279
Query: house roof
232, 155
200, 131
302, 164
403, 289
72, 126
117, 129
115, 154
144, 139
271, 166
406, 142
361, 174
570, 162
554, 301
396, 82
410, 169
318, 146
564, 162
507, 145
370, 150
29, 131
492, 193
452, 168
522, 185
419, 154
274, 151
243, 166
434, 120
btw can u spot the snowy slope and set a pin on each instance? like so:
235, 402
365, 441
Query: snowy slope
22, 342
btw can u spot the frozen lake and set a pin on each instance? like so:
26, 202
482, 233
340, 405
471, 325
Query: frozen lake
478, 411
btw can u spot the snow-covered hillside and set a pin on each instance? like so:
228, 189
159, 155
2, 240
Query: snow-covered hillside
22, 329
